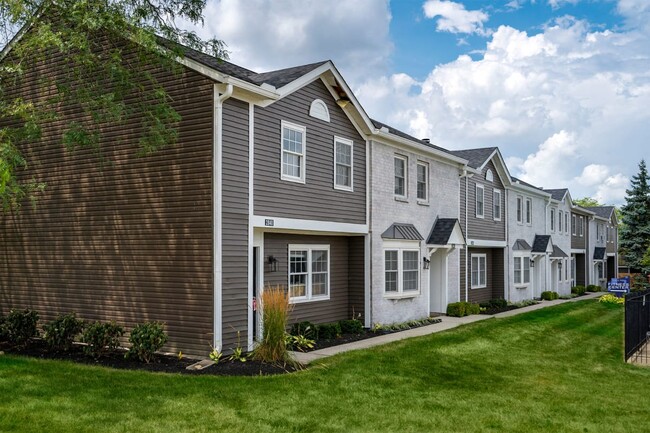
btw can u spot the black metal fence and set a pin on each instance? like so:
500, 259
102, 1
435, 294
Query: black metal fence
637, 326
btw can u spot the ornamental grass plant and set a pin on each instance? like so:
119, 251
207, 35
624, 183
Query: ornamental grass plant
275, 318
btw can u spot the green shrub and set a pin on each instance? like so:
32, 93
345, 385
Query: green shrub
146, 339
101, 338
329, 331
593, 288
20, 326
275, 316
472, 308
61, 332
3, 333
578, 290
550, 296
494, 303
460, 309
352, 326
306, 329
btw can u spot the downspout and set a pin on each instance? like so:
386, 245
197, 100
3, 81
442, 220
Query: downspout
465, 176
547, 261
506, 265
368, 245
217, 194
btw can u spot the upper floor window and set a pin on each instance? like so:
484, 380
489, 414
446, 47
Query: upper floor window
520, 209
582, 226
293, 152
400, 176
480, 201
423, 181
559, 221
573, 225
489, 176
401, 271
479, 271
309, 272
566, 222
319, 110
343, 158
529, 211
496, 202
552, 219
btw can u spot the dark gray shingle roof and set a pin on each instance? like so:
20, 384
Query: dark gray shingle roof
557, 252
475, 157
402, 231
540, 244
599, 253
402, 134
521, 245
517, 180
441, 231
282, 77
602, 211
557, 194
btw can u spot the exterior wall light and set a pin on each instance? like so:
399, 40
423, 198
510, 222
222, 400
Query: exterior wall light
425, 263
273, 262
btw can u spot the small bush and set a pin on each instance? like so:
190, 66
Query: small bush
20, 326
578, 290
329, 331
146, 339
472, 308
3, 333
352, 326
550, 296
460, 309
61, 332
275, 316
494, 304
593, 288
400, 326
101, 338
306, 329
611, 299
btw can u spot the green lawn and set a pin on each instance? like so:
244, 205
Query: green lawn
558, 369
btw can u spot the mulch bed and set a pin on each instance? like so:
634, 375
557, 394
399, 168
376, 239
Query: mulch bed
161, 364
495, 310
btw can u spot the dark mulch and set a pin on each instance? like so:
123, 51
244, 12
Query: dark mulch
497, 310
364, 335
161, 364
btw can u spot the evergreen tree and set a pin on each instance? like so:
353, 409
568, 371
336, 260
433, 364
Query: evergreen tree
635, 234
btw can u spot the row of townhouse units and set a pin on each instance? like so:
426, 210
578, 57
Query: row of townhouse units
279, 178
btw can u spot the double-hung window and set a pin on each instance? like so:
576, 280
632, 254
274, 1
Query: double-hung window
479, 271
559, 221
423, 182
496, 204
566, 222
343, 158
573, 225
522, 270
293, 152
520, 209
566, 269
480, 201
400, 176
309, 272
552, 220
582, 226
529, 211
401, 271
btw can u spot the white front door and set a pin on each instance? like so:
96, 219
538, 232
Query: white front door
438, 282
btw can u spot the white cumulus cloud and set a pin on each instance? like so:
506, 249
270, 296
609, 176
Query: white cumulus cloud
454, 18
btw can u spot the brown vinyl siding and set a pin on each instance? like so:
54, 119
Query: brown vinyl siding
128, 241
495, 275
336, 308
498, 274
581, 272
356, 276
484, 228
235, 223
578, 242
316, 199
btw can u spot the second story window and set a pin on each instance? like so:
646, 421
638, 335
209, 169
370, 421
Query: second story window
529, 211
566, 222
293, 152
573, 225
552, 220
559, 221
480, 201
343, 156
582, 226
423, 182
400, 177
520, 204
496, 212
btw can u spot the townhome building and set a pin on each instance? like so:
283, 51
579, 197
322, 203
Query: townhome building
603, 245
415, 230
483, 216
529, 246
581, 264
558, 227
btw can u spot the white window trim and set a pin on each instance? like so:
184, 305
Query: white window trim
494, 203
489, 176
351, 144
559, 221
482, 188
318, 109
566, 222
401, 248
303, 167
529, 205
582, 226
479, 256
406, 177
552, 220
574, 225
426, 190
519, 215
308, 295
522, 283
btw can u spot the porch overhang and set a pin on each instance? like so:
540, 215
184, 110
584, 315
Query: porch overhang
446, 233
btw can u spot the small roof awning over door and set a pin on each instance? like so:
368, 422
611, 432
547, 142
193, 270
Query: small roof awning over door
599, 253
406, 232
558, 253
542, 244
446, 231
521, 245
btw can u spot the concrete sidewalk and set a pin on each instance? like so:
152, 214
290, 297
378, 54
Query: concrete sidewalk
447, 323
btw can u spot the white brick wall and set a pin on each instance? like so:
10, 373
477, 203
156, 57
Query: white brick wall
386, 210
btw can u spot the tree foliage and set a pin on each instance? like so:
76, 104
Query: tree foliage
635, 232
586, 202
111, 85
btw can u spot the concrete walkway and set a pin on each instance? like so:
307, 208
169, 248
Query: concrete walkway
447, 323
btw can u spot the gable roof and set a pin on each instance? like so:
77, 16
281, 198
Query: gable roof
476, 158
521, 245
377, 124
558, 253
402, 231
540, 244
442, 230
529, 185
599, 253
557, 194
602, 211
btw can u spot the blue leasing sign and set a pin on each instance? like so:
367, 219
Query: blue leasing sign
619, 286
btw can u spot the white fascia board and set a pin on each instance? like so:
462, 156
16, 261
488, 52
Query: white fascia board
502, 168
581, 211
307, 225
486, 243
516, 186
578, 251
396, 141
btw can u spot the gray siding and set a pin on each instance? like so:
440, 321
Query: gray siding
316, 199
484, 228
495, 275
337, 307
235, 223
578, 242
130, 241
